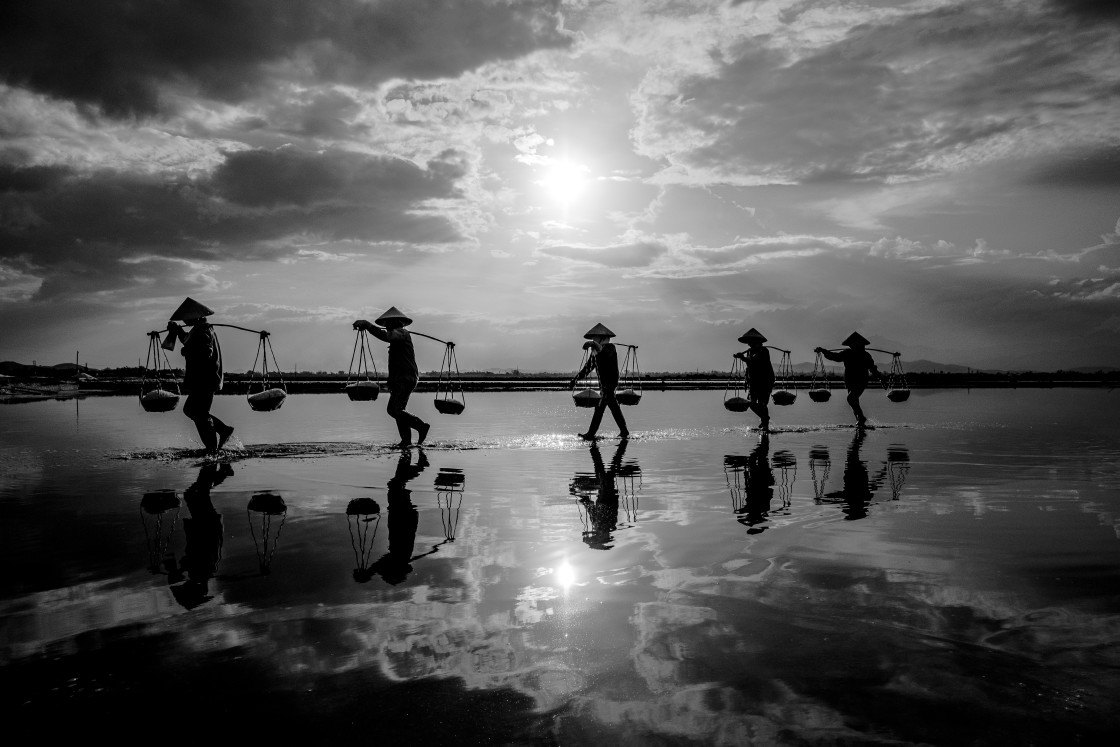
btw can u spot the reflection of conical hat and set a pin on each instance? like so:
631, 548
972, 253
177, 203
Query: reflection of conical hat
393, 314
189, 310
597, 330
752, 334
855, 339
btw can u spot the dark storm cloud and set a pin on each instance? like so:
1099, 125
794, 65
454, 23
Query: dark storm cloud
1097, 168
1092, 11
112, 230
641, 254
118, 55
291, 177
906, 98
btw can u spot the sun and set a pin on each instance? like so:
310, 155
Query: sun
565, 181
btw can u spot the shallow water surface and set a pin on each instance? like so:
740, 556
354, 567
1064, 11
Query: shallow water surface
947, 577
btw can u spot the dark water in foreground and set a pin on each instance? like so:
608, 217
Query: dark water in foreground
950, 577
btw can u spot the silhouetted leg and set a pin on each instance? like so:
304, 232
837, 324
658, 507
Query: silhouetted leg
616, 411
758, 406
406, 422
197, 408
596, 418
221, 430
853, 401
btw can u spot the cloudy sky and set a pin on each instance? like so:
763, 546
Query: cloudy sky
942, 175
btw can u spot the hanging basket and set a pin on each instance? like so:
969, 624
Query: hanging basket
733, 393
159, 400
270, 390
628, 397
449, 406
897, 389
784, 397
156, 393
363, 391
737, 404
364, 388
629, 390
588, 395
450, 397
785, 394
586, 398
267, 400
820, 386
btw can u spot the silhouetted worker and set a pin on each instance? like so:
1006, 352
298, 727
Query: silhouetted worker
758, 487
603, 513
395, 565
403, 372
203, 376
858, 364
859, 486
604, 359
204, 532
760, 375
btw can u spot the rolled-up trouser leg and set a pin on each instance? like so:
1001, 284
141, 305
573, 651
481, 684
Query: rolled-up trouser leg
853, 400
197, 408
616, 411
406, 422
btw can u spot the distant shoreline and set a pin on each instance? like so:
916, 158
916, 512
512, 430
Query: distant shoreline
238, 384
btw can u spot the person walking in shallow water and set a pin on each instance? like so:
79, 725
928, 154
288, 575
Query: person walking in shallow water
203, 371
858, 365
760, 375
403, 372
604, 359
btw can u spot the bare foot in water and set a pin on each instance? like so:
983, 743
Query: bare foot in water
223, 436
422, 432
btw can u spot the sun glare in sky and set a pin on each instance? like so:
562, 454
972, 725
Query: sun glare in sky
565, 181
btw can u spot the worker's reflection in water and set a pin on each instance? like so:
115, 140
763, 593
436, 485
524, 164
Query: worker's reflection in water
859, 486
753, 508
204, 534
395, 565
602, 514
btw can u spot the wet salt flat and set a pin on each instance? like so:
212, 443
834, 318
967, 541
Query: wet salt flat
948, 577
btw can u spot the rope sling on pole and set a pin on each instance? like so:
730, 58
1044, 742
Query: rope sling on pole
896, 386
736, 390
630, 383
272, 391
588, 393
820, 386
784, 394
450, 398
363, 388
156, 382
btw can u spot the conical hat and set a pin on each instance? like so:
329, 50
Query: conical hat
189, 310
856, 339
393, 314
597, 330
752, 335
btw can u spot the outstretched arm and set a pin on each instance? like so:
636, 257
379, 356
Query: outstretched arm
591, 360
373, 329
